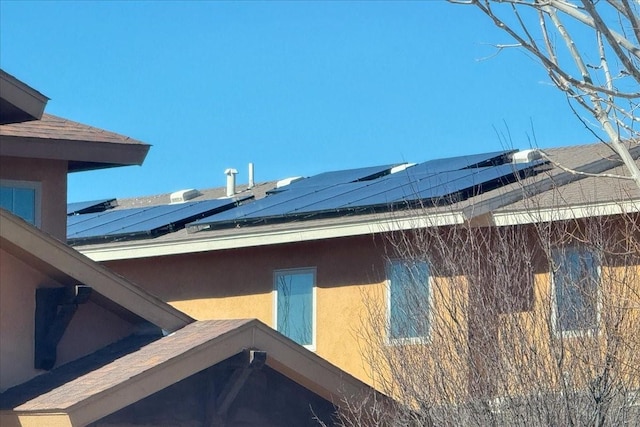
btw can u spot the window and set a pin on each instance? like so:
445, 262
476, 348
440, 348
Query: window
21, 198
409, 300
295, 304
575, 282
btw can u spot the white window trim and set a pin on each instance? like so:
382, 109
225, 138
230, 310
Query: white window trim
575, 333
312, 270
33, 185
431, 315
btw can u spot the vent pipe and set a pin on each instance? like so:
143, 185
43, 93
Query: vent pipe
231, 181
251, 183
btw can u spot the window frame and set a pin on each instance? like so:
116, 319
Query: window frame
302, 270
36, 186
425, 339
570, 333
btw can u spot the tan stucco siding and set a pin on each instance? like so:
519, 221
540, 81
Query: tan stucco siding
239, 284
18, 283
52, 175
578, 357
92, 327
11, 419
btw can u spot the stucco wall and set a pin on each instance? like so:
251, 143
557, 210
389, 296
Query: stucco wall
18, 282
239, 284
91, 328
52, 174
351, 274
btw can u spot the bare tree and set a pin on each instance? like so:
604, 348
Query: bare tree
515, 325
591, 52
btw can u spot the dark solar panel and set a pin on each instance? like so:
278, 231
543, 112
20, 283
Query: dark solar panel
462, 162
250, 209
432, 182
79, 223
328, 179
91, 206
147, 221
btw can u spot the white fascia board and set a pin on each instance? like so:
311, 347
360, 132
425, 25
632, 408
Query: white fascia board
208, 241
536, 215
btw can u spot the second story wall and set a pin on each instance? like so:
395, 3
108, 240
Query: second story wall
524, 283
49, 180
241, 283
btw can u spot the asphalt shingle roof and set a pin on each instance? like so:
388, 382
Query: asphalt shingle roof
76, 381
51, 127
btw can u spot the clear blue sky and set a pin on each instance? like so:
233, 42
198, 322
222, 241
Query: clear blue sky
297, 88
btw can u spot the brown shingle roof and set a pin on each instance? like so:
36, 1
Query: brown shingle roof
129, 366
53, 127
68, 372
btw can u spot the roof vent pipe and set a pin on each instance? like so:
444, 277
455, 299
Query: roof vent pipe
231, 181
251, 183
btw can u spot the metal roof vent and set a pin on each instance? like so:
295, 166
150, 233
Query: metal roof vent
183, 196
288, 181
231, 181
526, 156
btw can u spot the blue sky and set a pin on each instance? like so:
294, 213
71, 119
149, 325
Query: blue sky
297, 88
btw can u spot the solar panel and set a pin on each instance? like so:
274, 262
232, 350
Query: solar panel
147, 221
328, 179
463, 162
90, 206
77, 223
434, 182
250, 209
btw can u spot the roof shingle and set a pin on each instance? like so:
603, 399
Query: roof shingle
51, 127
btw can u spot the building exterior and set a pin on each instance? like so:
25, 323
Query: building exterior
83, 345
336, 279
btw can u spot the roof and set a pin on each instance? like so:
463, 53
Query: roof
42, 384
120, 380
69, 267
19, 102
499, 202
85, 147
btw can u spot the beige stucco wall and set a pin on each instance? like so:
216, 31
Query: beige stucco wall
91, 328
18, 282
52, 174
239, 284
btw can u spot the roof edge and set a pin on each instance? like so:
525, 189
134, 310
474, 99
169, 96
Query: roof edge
283, 355
355, 226
25, 240
28, 104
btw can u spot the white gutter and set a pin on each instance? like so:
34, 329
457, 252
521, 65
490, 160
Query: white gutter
537, 215
205, 241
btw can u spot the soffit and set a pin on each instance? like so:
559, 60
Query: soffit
85, 147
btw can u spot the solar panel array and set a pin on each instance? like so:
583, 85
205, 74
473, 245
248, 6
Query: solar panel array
122, 224
329, 194
436, 182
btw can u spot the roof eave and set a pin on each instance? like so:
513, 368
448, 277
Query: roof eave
19, 102
283, 355
206, 241
64, 263
81, 155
